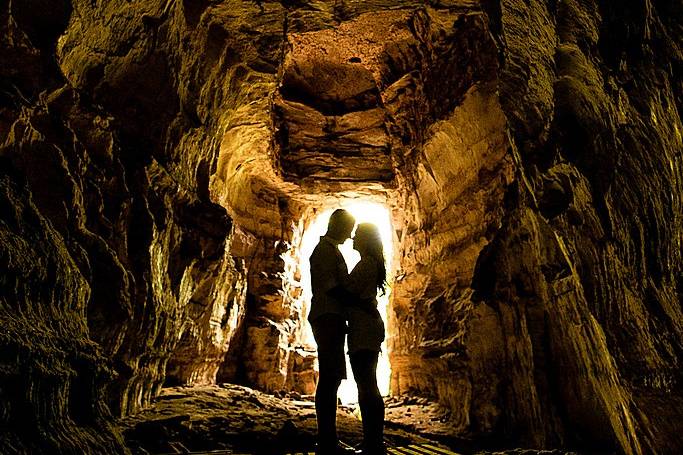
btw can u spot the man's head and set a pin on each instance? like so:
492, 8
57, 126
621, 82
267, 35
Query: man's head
340, 225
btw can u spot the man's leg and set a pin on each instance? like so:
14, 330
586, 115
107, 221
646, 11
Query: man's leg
364, 366
326, 410
329, 332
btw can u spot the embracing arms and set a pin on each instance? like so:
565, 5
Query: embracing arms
360, 288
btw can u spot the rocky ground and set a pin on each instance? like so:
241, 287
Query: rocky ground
161, 160
238, 419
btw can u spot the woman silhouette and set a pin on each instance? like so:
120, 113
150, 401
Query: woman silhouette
366, 331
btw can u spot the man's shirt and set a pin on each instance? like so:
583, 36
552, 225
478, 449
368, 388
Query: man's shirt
328, 269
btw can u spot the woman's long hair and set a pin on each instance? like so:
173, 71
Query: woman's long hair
373, 243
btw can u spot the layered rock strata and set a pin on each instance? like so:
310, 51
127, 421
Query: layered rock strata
162, 159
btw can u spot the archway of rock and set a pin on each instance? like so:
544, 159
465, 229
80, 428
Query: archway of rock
397, 107
394, 107
162, 161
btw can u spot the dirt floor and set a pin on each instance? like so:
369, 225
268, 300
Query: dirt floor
236, 419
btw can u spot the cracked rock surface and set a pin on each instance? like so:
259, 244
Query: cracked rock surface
242, 420
160, 161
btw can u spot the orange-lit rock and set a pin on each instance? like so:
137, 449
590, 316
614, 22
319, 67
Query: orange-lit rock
161, 161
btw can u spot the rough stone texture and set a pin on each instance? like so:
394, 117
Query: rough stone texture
50, 371
147, 248
237, 419
162, 159
588, 291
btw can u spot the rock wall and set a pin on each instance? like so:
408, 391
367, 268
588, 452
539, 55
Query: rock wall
50, 370
600, 173
132, 244
161, 160
577, 298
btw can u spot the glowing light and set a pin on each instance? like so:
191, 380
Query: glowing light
363, 212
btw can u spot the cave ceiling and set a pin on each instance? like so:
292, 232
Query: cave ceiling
162, 159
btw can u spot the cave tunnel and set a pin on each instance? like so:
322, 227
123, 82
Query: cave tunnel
168, 167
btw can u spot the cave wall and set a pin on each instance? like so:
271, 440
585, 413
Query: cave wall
576, 303
161, 160
598, 171
98, 147
51, 370
460, 177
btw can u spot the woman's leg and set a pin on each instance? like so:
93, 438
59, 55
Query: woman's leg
364, 367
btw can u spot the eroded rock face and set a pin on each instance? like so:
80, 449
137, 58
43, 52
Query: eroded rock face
143, 243
50, 369
163, 159
456, 206
584, 169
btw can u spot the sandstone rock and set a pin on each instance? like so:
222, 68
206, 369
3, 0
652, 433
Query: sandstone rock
50, 370
244, 420
161, 161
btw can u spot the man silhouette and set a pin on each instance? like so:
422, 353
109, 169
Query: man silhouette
328, 270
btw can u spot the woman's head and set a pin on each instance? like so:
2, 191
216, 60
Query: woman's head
368, 242
367, 239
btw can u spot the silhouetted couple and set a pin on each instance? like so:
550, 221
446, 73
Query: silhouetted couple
344, 303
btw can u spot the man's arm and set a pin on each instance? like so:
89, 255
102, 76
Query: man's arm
323, 269
342, 294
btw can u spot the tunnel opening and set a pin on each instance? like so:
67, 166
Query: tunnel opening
153, 175
364, 212
431, 143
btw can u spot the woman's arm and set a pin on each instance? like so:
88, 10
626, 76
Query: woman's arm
363, 278
359, 288
363, 281
352, 299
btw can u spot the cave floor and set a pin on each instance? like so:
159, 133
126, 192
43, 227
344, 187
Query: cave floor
236, 419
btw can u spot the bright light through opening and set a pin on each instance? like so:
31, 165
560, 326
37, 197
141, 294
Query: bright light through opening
363, 212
